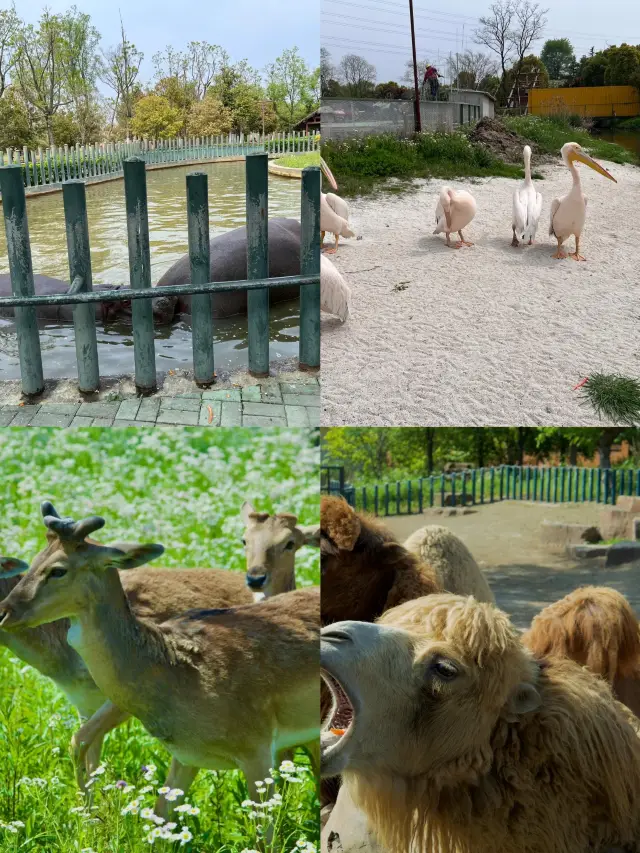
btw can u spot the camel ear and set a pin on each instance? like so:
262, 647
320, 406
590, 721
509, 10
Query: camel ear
340, 523
11, 566
525, 699
246, 511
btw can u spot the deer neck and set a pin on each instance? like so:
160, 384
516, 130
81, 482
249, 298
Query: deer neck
285, 584
120, 651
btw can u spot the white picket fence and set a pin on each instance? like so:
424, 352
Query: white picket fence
49, 167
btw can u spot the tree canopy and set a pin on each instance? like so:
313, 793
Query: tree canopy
60, 84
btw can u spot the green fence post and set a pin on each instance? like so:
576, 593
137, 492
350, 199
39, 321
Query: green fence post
84, 316
310, 265
201, 313
258, 262
375, 499
14, 207
135, 192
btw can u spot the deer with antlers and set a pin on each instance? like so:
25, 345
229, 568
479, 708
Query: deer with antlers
253, 669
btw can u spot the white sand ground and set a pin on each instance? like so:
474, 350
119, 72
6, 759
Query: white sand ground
487, 335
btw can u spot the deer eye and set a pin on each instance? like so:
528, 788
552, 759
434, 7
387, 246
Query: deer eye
244, 541
290, 545
58, 572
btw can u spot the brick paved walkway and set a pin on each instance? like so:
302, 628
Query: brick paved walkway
281, 404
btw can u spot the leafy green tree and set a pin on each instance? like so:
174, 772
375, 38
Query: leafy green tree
15, 124
66, 130
209, 118
41, 68
154, 118
623, 66
9, 29
290, 87
558, 57
120, 71
81, 67
359, 75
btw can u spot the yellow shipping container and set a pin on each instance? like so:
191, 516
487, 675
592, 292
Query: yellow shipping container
586, 101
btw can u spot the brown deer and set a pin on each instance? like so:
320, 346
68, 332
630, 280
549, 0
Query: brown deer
252, 669
271, 543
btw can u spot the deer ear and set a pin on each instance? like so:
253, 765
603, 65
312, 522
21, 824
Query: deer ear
310, 534
246, 511
11, 566
130, 555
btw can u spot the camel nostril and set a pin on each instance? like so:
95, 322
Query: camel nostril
4, 615
256, 581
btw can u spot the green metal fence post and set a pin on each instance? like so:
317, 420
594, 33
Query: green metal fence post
310, 265
84, 316
257, 172
14, 207
201, 313
135, 191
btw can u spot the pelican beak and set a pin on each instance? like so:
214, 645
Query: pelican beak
583, 157
328, 175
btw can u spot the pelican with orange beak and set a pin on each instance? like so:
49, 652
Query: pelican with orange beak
334, 212
569, 212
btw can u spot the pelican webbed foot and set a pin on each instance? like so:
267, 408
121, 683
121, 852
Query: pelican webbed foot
576, 257
464, 242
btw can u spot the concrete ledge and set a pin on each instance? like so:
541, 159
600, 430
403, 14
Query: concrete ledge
617, 554
557, 537
285, 171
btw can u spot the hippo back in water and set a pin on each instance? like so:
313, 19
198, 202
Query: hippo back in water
229, 263
44, 285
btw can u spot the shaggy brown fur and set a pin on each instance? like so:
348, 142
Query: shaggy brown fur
469, 768
365, 570
596, 627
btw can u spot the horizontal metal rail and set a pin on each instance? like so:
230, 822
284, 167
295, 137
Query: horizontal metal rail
124, 294
81, 293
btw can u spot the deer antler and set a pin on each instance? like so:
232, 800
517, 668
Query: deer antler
67, 528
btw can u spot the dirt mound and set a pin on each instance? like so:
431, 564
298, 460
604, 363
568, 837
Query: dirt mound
503, 143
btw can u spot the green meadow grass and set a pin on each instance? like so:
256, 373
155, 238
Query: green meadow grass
184, 489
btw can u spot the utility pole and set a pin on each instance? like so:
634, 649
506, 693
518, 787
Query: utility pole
415, 72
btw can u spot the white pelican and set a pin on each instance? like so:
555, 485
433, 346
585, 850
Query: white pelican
568, 213
335, 295
454, 211
527, 205
332, 214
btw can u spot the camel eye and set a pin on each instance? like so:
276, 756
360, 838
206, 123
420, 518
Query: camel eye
444, 670
57, 573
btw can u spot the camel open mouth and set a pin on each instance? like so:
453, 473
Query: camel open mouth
339, 726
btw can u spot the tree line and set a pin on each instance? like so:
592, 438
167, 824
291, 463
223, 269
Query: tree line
372, 453
50, 75
505, 36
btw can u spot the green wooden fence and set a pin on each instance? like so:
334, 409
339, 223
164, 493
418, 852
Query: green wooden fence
50, 167
81, 295
486, 485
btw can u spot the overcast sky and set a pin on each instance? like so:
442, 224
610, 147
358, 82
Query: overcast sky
256, 30
380, 30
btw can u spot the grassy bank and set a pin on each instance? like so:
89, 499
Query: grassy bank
551, 133
299, 161
183, 488
361, 165
629, 123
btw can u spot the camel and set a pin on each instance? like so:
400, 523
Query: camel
453, 564
597, 628
454, 739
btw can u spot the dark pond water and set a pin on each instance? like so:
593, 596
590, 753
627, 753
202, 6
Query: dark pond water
629, 139
166, 190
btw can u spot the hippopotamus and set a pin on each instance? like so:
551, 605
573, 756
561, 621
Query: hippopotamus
45, 285
228, 262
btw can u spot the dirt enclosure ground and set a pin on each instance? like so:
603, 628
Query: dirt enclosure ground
505, 540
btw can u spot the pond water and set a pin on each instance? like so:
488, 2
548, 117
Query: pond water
629, 139
166, 191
